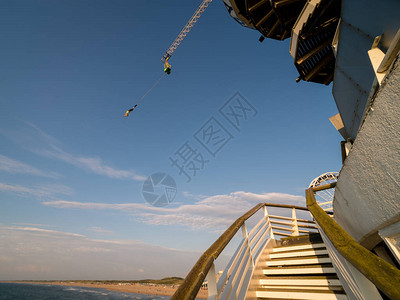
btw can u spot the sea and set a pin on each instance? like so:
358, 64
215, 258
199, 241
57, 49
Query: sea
22, 291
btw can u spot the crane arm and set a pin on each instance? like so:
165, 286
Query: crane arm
200, 10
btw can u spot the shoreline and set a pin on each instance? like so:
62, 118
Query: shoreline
138, 288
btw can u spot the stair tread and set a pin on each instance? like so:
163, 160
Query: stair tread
311, 277
298, 261
313, 245
300, 283
322, 247
287, 271
328, 265
299, 258
260, 289
306, 288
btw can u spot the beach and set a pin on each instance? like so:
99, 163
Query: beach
139, 288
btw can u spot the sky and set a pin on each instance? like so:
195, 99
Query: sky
72, 169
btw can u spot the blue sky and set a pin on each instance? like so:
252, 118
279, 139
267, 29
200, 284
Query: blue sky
72, 169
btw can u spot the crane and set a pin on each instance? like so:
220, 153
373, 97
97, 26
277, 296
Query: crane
185, 31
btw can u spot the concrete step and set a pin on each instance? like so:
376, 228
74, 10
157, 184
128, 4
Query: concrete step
298, 247
324, 269
299, 253
301, 281
299, 261
299, 294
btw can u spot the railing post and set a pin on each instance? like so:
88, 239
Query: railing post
246, 240
271, 233
212, 283
295, 227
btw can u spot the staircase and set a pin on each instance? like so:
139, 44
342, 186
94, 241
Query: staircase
297, 268
285, 256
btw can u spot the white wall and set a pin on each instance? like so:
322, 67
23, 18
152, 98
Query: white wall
367, 196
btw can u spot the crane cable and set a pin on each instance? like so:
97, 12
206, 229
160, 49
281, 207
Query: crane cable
130, 110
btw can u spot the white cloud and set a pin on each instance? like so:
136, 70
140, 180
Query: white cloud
16, 167
91, 164
42, 231
34, 253
41, 143
43, 192
101, 230
93, 205
215, 212
193, 196
31, 224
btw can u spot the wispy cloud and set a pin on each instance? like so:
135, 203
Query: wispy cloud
16, 167
43, 192
35, 253
41, 230
193, 196
41, 143
215, 212
128, 207
101, 230
32, 224
91, 164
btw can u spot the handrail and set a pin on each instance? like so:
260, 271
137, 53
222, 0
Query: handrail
189, 288
385, 276
285, 206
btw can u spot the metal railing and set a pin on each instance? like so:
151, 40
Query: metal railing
235, 280
382, 274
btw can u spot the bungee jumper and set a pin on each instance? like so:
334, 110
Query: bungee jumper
129, 111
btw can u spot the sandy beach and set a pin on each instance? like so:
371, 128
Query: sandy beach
150, 289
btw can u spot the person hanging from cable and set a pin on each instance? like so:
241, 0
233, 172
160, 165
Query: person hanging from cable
129, 111
167, 67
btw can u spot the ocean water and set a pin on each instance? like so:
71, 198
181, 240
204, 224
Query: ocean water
20, 291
